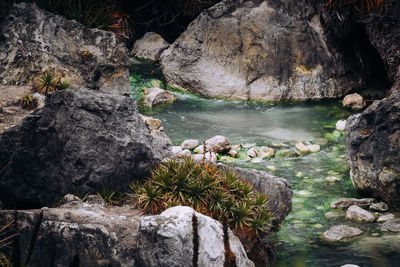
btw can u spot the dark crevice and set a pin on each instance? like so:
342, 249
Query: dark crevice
230, 257
35, 234
16, 249
196, 239
75, 261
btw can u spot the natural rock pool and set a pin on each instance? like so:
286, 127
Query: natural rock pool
280, 125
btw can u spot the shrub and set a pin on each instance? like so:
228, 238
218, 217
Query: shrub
28, 102
49, 82
111, 197
220, 194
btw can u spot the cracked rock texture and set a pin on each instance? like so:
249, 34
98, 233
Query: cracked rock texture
79, 141
33, 40
90, 234
258, 50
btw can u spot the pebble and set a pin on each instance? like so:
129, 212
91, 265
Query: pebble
233, 153
385, 218
252, 153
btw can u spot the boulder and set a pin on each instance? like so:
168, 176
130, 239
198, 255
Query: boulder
277, 189
190, 144
218, 144
354, 101
34, 40
340, 232
385, 218
156, 96
373, 149
391, 226
252, 153
179, 236
344, 203
79, 141
91, 234
380, 206
150, 46
257, 50
357, 214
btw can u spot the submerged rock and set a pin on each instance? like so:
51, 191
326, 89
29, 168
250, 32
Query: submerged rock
80, 141
344, 203
150, 46
373, 149
231, 51
391, 226
156, 96
357, 214
34, 40
340, 232
354, 101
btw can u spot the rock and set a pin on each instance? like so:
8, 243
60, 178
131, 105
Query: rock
271, 168
314, 148
303, 149
184, 153
190, 144
340, 232
277, 189
218, 144
266, 152
321, 141
199, 150
167, 240
331, 214
176, 149
69, 199
35, 40
150, 46
79, 141
151, 123
257, 160
231, 51
95, 235
341, 125
95, 200
237, 147
40, 99
286, 153
209, 157
357, 214
349, 265
391, 226
385, 218
332, 179
344, 203
354, 101
252, 153
380, 206
233, 153
373, 149
157, 96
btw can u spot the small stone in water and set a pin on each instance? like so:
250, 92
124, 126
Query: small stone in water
256, 160
233, 153
252, 153
340, 125
314, 148
190, 144
380, 206
302, 147
248, 145
357, 214
385, 218
198, 150
299, 174
391, 226
267, 152
375, 234
337, 233
271, 167
332, 179
236, 147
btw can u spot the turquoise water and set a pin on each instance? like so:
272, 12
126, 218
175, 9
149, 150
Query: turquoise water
279, 125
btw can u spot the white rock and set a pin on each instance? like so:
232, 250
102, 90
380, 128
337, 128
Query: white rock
385, 218
340, 125
199, 150
252, 153
176, 149
41, 99
190, 144
332, 179
314, 148
156, 96
218, 144
357, 214
354, 101
150, 46
271, 167
257, 160
209, 157
184, 153
380, 206
302, 147
391, 226
233, 153
237, 147
266, 152
337, 233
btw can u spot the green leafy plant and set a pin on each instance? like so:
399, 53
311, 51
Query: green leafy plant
83, 196
28, 102
218, 193
111, 197
49, 82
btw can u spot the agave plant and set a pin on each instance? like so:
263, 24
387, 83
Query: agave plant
28, 102
49, 82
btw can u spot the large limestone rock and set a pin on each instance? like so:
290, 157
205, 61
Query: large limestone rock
91, 234
340, 232
33, 40
373, 149
257, 50
277, 189
81, 140
357, 214
150, 46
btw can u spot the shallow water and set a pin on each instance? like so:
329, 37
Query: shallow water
278, 125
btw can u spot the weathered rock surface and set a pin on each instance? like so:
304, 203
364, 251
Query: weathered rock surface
90, 234
277, 189
190, 144
344, 203
218, 144
357, 214
373, 149
252, 153
337, 233
391, 226
156, 96
81, 140
340, 125
34, 40
174, 233
257, 50
385, 218
207, 157
150, 46
354, 101
380, 206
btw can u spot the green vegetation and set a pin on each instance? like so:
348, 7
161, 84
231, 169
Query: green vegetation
111, 197
49, 82
28, 102
217, 193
